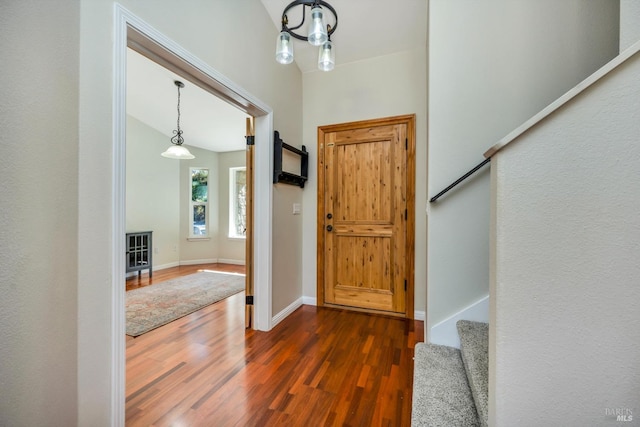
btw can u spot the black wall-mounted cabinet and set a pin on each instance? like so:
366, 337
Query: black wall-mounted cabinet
286, 177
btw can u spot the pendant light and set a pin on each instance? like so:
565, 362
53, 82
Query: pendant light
177, 151
318, 34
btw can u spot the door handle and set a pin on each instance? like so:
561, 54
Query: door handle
329, 228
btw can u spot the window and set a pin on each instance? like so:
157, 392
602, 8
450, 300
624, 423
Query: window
199, 203
238, 202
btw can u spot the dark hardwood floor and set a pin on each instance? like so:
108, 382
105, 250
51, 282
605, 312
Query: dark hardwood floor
318, 367
139, 281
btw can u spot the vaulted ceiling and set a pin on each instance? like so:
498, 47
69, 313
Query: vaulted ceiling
366, 29
207, 122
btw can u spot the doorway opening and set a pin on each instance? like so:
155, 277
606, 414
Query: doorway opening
194, 209
132, 32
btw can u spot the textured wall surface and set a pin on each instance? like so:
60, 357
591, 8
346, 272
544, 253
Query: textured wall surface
566, 325
629, 23
39, 213
493, 65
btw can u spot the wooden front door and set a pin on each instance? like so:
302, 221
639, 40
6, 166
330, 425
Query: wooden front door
365, 215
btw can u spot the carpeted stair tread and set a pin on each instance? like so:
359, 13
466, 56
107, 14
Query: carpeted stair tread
441, 393
474, 348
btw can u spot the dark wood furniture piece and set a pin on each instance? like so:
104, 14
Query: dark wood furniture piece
139, 252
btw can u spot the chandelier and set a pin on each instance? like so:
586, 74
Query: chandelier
318, 34
177, 151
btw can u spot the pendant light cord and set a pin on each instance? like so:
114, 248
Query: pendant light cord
178, 122
177, 138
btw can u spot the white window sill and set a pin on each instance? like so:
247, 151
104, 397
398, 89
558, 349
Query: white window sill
236, 238
198, 239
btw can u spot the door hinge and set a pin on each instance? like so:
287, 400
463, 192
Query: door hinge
405, 285
406, 214
249, 299
406, 143
251, 140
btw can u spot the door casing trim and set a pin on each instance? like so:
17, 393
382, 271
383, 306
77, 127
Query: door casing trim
131, 30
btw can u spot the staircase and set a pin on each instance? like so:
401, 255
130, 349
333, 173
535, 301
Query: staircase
450, 386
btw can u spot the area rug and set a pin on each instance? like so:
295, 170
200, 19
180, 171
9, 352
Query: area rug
156, 305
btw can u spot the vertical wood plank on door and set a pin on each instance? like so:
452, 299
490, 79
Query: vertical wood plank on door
359, 187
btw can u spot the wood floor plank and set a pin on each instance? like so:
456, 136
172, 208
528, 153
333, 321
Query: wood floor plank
320, 366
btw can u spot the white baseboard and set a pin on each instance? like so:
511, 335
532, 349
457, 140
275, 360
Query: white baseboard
231, 261
167, 265
287, 311
445, 332
309, 301
213, 261
199, 261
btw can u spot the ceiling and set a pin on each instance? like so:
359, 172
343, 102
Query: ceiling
366, 29
206, 121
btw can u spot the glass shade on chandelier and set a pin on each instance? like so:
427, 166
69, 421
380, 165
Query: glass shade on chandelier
318, 34
326, 57
318, 28
284, 48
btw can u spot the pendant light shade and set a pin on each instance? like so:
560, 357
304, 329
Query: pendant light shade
177, 151
317, 28
326, 57
284, 48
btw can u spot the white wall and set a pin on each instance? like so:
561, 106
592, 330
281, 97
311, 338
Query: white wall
39, 213
158, 199
198, 251
203, 29
287, 262
629, 23
566, 324
493, 65
153, 191
380, 87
